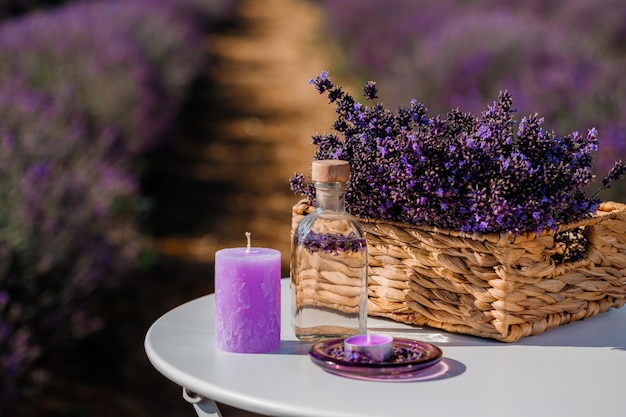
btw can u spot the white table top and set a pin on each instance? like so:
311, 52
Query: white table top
578, 369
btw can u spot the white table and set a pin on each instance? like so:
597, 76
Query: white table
578, 369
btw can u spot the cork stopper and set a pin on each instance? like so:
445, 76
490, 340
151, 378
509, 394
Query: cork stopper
330, 170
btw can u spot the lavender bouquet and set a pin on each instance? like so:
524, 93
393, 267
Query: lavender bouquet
461, 172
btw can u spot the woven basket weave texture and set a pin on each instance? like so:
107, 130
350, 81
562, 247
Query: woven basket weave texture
493, 285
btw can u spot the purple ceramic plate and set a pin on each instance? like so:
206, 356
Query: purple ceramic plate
410, 356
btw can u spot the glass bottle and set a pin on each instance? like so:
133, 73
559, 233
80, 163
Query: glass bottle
329, 262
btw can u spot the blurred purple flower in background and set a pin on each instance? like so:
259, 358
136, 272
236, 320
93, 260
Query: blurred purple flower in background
562, 59
85, 90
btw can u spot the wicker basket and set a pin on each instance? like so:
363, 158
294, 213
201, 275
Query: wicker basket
494, 285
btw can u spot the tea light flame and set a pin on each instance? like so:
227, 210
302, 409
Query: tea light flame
248, 235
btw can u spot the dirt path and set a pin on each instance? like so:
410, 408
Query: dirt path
259, 135
246, 134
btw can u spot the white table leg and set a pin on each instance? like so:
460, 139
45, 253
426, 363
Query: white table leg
205, 407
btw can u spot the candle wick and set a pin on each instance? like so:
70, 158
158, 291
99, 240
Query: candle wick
248, 234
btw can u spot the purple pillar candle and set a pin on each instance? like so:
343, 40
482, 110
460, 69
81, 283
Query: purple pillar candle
247, 299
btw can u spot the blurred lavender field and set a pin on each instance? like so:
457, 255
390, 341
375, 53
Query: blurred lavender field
561, 59
87, 91
106, 108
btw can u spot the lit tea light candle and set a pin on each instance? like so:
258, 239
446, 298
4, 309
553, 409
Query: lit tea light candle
247, 299
378, 346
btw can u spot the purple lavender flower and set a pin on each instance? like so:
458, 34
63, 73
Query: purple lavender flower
615, 174
333, 243
370, 91
400, 354
474, 174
